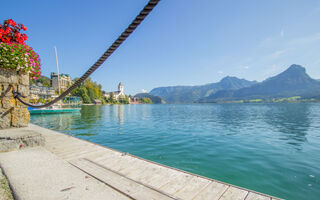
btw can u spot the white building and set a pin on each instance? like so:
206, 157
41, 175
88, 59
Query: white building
65, 81
116, 94
39, 91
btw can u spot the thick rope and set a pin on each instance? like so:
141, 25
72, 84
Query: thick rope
146, 10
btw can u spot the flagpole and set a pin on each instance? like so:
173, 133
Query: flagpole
55, 49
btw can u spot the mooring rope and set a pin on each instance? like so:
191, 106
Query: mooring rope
135, 23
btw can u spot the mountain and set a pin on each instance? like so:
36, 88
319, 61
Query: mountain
154, 99
190, 94
292, 82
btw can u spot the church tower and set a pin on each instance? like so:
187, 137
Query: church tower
120, 88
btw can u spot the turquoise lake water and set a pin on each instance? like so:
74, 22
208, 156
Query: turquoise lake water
270, 148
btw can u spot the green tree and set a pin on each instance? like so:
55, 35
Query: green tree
45, 81
89, 91
111, 99
145, 100
124, 100
41, 100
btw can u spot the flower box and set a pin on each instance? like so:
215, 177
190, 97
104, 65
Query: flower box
18, 64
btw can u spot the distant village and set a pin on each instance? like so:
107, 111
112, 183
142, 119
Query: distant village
45, 89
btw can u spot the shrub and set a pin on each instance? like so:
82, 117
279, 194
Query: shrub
14, 53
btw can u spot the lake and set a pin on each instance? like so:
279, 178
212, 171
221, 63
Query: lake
270, 148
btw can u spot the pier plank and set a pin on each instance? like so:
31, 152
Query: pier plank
83, 155
175, 185
162, 178
136, 166
234, 193
116, 163
149, 172
65, 141
67, 149
65, 155
127, 186
213, 191
193, 187
108, 155
255, 196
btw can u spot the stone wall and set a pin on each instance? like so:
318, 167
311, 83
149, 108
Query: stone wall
12, 112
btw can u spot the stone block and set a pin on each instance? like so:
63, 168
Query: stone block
24, 90
7, 90
5, 118
20, 117
21, 105
10, 140
8, 76
24, 79
8, 102
12, 112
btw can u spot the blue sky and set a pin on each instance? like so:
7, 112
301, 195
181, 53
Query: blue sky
182, 42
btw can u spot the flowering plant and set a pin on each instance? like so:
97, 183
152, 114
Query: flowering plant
14, 53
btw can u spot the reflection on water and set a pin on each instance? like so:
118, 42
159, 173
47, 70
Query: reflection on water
271, 148
64, 121
232, 116
292, 120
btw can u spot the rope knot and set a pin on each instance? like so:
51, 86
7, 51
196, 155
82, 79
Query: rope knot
17, 94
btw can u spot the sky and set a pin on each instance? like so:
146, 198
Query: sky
181, 42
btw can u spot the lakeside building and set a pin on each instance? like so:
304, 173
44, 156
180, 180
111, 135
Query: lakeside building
64, 81
134, 100
97, 102
116, 94
39, 91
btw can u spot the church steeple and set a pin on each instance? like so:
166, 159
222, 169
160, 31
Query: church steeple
120, 88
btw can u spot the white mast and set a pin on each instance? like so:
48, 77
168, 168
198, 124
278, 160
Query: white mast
55, 49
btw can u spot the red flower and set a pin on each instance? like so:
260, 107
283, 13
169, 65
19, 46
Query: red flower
10, 32
24, 36
23, 27
8, 29
11, 22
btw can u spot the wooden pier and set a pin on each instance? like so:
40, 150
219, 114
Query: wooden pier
136, 178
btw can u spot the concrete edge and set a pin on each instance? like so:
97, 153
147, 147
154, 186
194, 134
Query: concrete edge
14, 195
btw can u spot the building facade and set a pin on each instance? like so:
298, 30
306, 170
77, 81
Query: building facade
39, 91
116, 94
64, 81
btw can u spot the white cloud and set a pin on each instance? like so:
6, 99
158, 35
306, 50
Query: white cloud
277, 54
220, 72
246, 67
144, 91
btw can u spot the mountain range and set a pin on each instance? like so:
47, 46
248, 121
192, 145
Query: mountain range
292, 82
190, 94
